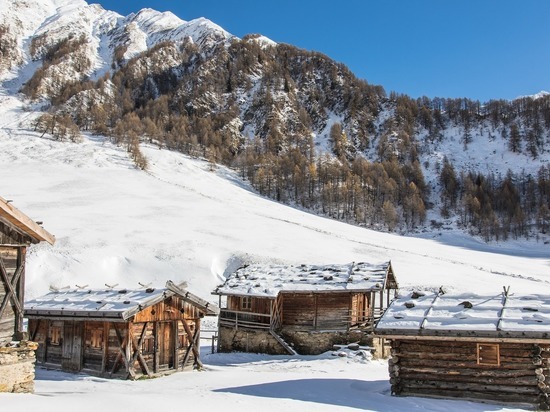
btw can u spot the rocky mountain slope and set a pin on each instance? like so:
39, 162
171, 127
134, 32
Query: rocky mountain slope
298, 125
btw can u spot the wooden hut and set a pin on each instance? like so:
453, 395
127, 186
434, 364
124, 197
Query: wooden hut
118, 333
305, 309
17, 232
491, 347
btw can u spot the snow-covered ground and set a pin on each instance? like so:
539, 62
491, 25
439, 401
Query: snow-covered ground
185, 221
236, 382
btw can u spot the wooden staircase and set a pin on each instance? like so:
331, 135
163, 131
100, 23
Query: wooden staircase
283, 343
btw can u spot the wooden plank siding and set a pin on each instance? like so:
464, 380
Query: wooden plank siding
12, 281
309, 311
514, 372
154, 341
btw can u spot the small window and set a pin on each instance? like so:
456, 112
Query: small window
96, 340
148, 345
488, 354
55, 335
246, 302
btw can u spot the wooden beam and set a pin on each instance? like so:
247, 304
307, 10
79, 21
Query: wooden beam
137, 355
10, 288
393, 336
105, 355
21, 259
24, 223
156, 352
194, 347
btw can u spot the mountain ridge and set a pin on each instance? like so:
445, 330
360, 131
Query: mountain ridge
245, 102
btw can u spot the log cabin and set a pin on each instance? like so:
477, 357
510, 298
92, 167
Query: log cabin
306, 309
17, 233
122, 333
492, 348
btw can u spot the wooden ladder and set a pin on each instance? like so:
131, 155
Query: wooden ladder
285, 345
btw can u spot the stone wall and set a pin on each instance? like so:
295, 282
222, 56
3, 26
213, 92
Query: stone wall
17, 367
304, 343
315, 343
255, 341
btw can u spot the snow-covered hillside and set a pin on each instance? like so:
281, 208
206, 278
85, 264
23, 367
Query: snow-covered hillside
184, 220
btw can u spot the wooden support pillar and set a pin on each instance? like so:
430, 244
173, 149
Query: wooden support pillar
105, 355
21, 255
175, 343
156, 354
128, 352
316, 312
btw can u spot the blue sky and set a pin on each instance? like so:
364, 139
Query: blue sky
481, 49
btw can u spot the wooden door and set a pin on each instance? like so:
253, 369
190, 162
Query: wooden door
166, 345
72, 346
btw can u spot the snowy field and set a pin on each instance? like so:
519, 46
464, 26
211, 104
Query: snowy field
233, 382
185, 221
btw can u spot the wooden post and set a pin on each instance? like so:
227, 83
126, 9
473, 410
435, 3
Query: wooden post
315, 313
105, 355
21, 254
128, 351
156, 355
175, 343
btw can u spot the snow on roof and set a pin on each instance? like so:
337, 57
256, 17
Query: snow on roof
269, 280
109, 303
501, 315
24, 224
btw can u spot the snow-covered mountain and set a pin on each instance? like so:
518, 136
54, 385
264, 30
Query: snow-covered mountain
51, 21
299, 126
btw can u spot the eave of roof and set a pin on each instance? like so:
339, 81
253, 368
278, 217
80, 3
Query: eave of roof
112, 305
23, 223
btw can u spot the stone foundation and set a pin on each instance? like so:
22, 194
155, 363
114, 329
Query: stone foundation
315, 343
17, 367
304, 343
242, 340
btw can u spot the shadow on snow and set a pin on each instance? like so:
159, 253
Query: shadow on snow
352, 393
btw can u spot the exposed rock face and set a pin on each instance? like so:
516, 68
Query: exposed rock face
17, 367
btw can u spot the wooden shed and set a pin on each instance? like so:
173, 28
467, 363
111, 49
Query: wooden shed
302, 309
17, 232
481, 347
118, 333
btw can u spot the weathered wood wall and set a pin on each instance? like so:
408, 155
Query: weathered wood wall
259, 305
307, 311
451, 369
8, 236
156, 344
11, 319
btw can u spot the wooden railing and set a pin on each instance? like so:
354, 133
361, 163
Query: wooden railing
240, 319
236, 319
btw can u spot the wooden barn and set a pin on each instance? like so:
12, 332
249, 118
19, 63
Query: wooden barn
118, 333
302, 309
17, 355
491, 348
17, 232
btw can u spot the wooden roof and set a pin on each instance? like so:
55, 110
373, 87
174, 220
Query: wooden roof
109, 304
23, 224
504, 315
270, 280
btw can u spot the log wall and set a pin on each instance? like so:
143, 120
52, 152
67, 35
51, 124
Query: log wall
452, 369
